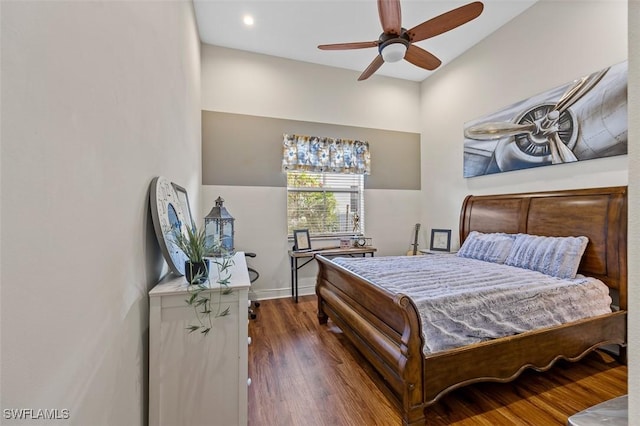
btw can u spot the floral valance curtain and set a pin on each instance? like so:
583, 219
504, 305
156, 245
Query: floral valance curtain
318, 154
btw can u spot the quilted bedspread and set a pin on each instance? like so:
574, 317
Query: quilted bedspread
464, 301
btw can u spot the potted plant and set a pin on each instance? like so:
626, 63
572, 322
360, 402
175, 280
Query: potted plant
196, 246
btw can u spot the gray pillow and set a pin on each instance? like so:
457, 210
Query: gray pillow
494, 247
555, 256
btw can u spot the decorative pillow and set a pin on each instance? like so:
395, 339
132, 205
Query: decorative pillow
488, 247
555, 256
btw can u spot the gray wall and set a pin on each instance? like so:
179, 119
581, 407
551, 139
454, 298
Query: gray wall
97, 99
246, 150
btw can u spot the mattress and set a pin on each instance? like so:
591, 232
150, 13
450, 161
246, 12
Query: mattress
465, 301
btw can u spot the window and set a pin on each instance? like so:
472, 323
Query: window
325, 203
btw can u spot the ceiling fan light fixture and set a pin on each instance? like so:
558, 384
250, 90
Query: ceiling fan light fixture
394, 52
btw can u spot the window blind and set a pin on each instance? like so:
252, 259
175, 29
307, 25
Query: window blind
327, 204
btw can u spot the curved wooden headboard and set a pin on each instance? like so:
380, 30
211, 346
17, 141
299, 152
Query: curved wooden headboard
597, 213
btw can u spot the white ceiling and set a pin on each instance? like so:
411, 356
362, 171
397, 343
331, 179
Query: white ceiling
294, 28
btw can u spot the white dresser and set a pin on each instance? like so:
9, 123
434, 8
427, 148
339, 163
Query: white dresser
196, 379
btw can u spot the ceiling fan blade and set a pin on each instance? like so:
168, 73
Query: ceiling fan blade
421, 58
445, 22
347, 46
497, 130
390, 16
373, 67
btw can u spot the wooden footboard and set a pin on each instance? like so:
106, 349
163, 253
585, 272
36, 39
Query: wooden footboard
503, 360
384, 327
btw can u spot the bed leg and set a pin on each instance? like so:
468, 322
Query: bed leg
622, 355
322, 317
417, 418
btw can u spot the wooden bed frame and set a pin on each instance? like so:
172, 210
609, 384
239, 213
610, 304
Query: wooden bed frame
386, 327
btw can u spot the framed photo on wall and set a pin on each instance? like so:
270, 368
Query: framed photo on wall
440, 240
301, 240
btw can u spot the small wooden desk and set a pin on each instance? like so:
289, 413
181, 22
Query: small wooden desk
311, 254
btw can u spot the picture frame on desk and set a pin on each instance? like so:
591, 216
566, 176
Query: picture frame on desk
301, 240
440, 240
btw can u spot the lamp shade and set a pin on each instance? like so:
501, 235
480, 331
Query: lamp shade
218, 228
394, 52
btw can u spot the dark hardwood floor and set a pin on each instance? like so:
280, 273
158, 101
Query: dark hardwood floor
306, 374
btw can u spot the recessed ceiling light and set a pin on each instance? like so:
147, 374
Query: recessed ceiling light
248, 20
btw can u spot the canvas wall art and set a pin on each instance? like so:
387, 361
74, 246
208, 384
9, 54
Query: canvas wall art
581, 120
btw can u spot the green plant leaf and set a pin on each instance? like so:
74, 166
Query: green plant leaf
202, 301
196, 246
193, 243
191, 299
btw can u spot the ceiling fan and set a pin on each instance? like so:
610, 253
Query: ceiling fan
396, 42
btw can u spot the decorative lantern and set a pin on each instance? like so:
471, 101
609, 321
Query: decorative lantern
218, 228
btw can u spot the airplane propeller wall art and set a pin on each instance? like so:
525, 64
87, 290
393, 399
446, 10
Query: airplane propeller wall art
582, 120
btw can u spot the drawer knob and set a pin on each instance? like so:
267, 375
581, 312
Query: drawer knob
249, 381
249, 340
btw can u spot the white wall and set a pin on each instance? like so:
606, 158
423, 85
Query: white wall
246, 83
550, 44
634, 212
97, 99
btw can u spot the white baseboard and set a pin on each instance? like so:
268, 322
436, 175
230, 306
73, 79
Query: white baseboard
304, 289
